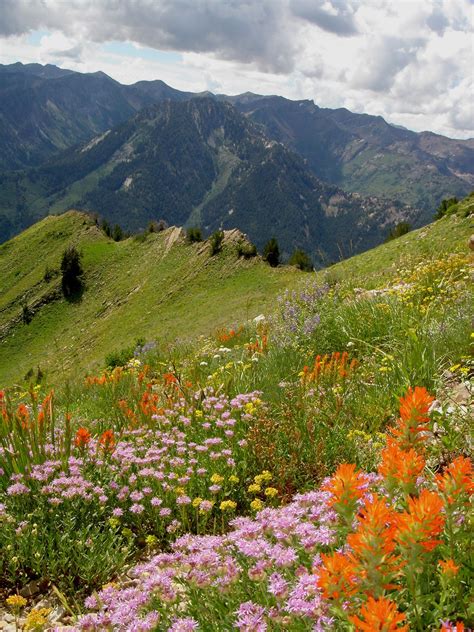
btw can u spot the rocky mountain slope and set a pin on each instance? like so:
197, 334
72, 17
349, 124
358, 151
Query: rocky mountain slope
200, 162
364, 153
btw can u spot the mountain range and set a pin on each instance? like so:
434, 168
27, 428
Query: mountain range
329, 181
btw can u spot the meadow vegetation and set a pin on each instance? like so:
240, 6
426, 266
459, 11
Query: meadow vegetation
304, 470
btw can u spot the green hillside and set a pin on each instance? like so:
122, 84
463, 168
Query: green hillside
157, 289
160, 288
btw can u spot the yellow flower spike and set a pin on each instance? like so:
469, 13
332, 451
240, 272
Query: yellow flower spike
196, 502
256, 504
254, 488
233, 478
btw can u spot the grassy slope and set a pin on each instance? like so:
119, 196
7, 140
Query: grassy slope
138, 290
133, 290
379, 266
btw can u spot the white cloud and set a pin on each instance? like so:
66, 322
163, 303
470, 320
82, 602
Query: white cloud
409, 61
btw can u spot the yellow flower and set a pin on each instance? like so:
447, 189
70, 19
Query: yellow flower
227, 505
233, 478
114, 522
254, 488
15, 602
256, 504
197, 501
217, 478
198, 413
271, 492
266, 476
151, 541
37, 619
180, 491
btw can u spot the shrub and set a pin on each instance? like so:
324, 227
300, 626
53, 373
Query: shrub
26, 313
72, 272
246, 250
400, 229
271, 253
49, 274
301, 260
194, 234
215, 241
157, 226
117, 233
119, 357
447, 207
106, 228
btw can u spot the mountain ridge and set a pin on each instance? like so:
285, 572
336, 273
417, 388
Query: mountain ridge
200, 161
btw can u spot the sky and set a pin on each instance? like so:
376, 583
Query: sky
410, 61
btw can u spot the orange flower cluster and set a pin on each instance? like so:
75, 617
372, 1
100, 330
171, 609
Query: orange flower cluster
371, 564
46, 410
82, 439
386, 540
128, 412
422, 522
259, 346
414, 418
337, 578
107, 441
346, 486
448, 568
400, 468
379, 615
336, 366
456, 481
106, 378
225, 336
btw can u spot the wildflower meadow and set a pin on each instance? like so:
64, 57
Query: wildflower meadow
306, 470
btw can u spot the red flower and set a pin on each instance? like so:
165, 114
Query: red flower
83, 437
107, 441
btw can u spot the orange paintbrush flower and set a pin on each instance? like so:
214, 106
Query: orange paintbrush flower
414, 407
107, 441
347, 486
379, 615
456, 479
372, 546
337, 577
448, 568
424, 520
400, 468
83, 437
